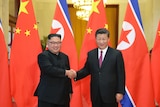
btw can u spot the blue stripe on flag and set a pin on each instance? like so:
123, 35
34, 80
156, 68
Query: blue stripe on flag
63, 5
135, 6
126, 102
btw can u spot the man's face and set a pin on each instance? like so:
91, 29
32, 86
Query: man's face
54, 45
102, 41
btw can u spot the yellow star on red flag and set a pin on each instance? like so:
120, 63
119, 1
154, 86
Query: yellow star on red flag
89, 30
94, 6
106, 26
23, 7
18, 30
27, 32
35, 27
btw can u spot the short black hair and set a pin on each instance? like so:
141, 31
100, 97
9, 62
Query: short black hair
53, 35
102, 31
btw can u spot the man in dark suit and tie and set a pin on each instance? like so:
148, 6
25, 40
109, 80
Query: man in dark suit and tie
106, 67
55, 87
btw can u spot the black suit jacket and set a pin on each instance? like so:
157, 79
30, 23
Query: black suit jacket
109, 79
54, 86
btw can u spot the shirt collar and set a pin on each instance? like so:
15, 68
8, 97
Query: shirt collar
104, 50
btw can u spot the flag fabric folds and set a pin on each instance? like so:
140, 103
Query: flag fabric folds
61, 25
24, 70
139, 90
97, 20
5, 95
155, 68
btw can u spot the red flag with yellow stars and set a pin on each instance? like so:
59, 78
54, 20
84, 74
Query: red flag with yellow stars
24, 70
97, 20
155, 68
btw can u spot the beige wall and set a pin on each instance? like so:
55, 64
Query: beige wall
44, 11
4, 16
12, 7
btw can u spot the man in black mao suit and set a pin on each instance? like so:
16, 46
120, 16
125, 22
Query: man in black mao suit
108, 79
55, 87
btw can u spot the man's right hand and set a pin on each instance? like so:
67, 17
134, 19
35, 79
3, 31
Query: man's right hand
71, 73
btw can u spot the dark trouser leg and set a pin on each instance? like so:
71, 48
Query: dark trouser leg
109, 104
46, 104
43, 104
99, 102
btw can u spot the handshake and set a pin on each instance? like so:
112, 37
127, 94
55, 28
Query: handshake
71, 73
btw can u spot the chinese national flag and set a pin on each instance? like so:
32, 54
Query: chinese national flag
97, 20
61, 25
24, 70
155, 67
139, 90
5, 95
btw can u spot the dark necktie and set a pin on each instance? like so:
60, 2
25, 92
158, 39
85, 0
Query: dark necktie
100, 59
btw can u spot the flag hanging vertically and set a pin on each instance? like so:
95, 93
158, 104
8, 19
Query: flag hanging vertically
61, 25
24, 70
97, 20
155, 68
139, 90
5, 95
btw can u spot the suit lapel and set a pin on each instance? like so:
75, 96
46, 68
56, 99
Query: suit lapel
106, 58
95, 58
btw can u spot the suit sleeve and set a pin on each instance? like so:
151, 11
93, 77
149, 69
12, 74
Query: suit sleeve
120, 74
70, 82
84, 71
48, 68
